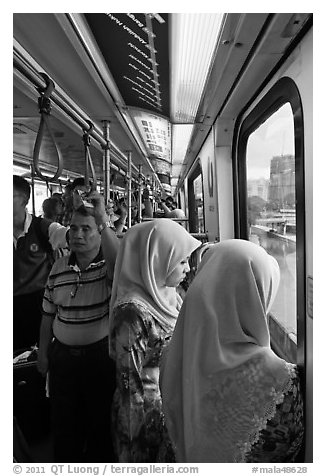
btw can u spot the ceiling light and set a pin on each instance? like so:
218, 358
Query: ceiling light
181, 134
193, 42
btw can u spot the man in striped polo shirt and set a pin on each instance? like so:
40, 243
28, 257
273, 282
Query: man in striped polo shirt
74, 338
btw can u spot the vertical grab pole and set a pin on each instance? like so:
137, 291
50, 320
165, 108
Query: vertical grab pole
106, 161
140, 190
129, 188
86, 168
33, 188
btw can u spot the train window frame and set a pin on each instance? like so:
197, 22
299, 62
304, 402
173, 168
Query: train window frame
197, 171
282, 92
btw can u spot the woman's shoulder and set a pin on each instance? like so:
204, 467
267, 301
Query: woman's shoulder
131, 306
132, 312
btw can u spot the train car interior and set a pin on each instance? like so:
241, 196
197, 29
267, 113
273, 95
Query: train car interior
214, 109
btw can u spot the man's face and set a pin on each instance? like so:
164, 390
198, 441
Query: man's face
84, 237
19, 202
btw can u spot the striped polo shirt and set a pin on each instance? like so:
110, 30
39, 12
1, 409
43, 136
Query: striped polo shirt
78, 301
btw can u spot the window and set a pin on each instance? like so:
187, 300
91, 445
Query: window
40, 193
271, 205
196, 202
269, 174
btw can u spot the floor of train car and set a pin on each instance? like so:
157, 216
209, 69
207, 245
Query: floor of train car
36, 435
31, 410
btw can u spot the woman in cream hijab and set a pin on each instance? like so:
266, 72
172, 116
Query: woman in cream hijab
151, 262
227, 397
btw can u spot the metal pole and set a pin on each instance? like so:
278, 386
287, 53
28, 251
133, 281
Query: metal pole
86, 174
33, 188
140, 190
106, 161
129, 188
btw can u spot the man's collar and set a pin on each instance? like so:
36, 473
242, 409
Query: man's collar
95, 262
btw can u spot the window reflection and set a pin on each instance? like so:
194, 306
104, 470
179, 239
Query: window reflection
271, 205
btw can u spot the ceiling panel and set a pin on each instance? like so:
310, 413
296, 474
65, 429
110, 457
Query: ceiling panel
45, 37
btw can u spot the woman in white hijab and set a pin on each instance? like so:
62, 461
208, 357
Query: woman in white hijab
227, 397
151, 262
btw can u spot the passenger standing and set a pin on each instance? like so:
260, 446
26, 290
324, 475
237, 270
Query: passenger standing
227, 397
52, 209
151, 262
74, 339
34, 240
170, 209
67, 198
120, 210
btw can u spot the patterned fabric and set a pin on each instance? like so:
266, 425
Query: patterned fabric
67, 299
233, 398
280, 441
139, 431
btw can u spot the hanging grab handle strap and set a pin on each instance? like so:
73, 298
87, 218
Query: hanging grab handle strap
44, 104
89, 167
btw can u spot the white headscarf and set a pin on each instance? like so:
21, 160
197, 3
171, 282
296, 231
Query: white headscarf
220, 380
148, 254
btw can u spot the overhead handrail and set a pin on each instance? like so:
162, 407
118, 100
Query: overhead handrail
26, 68
44, 104
89, 166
